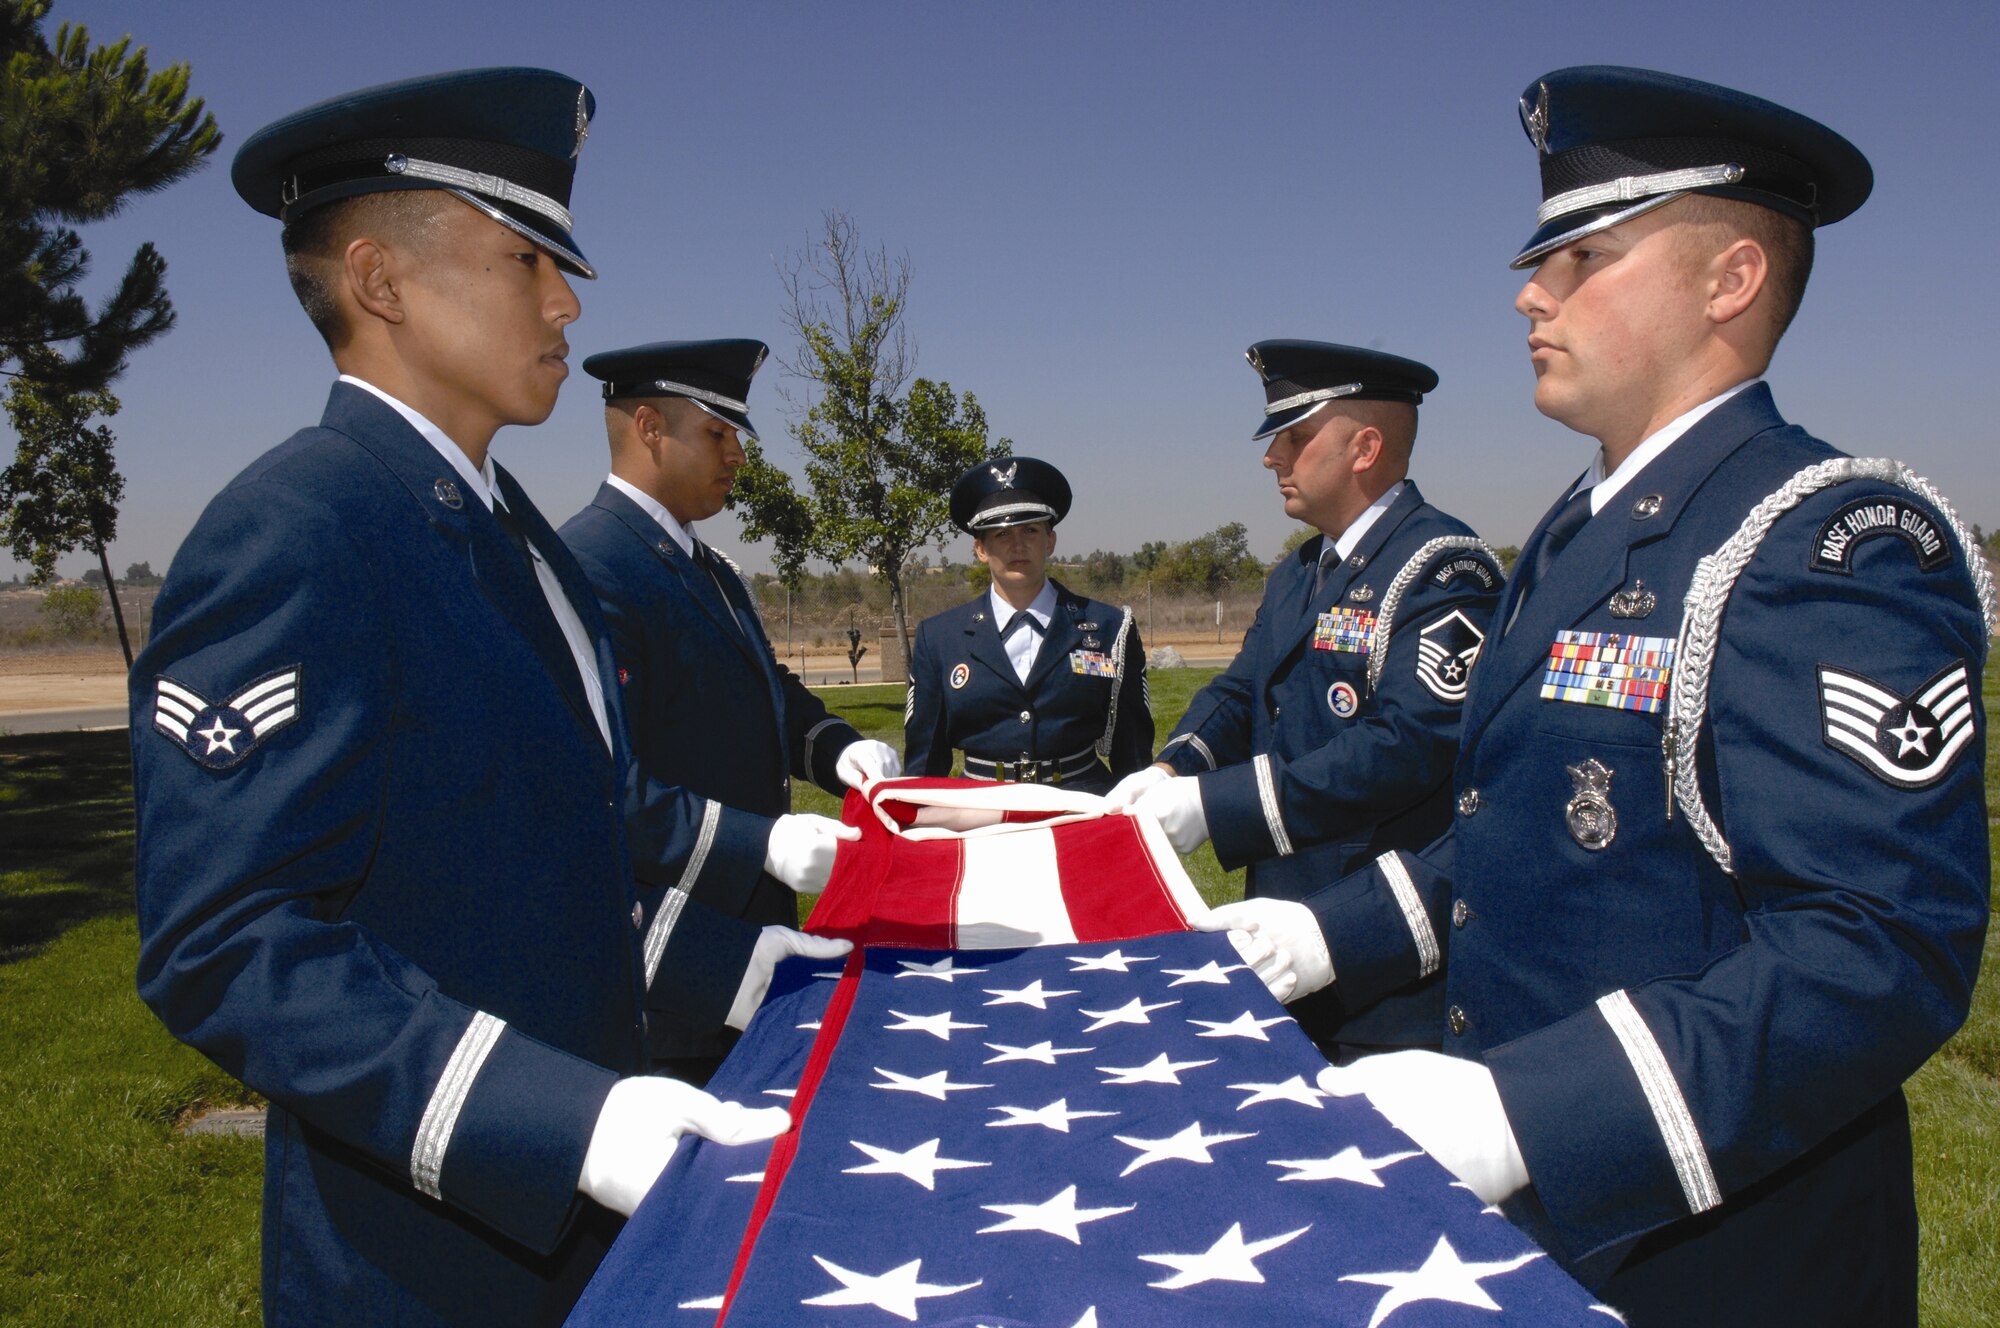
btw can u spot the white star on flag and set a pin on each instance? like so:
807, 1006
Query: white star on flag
1134, 1011
1115, 961
1230, 1259
1058, 1216
747, 1178
1055, 1116
930, 1085
1210, 972
896, 1291
1032, 994
1044, 1052
1444, 1276
781, 1092
1188, 1145
938, 1026
1294, 1089
1347, 1164
920, 1164
705, 1303
1245, 1025
942, 970
1158, 1070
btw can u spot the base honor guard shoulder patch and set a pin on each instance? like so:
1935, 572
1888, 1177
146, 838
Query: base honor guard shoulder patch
1091, 664
220, 734
1610, 669
1909, 741
1345, 629
1446, 651
1464, 565
1863, 519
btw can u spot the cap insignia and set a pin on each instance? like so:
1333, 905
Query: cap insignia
1536, 118
1005, 477
582, 120
1256, 358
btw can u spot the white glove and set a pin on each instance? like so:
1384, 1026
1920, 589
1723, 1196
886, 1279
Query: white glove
1449, 1106
774, 944
1290, 929
641, 1125
1127, 790
1176, 805
1272, 966
801, 849
862, 763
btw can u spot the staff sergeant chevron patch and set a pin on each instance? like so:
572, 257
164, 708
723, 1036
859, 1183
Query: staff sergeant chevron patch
219, 734
1909, 741
1446, 652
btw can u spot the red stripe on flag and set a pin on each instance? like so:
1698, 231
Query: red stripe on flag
787, 1146
1110, 884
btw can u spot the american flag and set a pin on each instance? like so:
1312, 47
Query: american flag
1088, 1135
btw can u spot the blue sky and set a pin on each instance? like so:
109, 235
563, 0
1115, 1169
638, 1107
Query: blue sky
1104, 204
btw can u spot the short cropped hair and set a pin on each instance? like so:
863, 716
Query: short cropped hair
1787, 244
315, 242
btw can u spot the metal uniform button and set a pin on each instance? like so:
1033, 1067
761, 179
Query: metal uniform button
1456, 1018
1468, 802
1460, 911
638, 915
1025, 716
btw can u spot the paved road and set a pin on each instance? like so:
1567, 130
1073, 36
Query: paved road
61, 721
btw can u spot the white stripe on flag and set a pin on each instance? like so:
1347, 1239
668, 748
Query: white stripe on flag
1011, 886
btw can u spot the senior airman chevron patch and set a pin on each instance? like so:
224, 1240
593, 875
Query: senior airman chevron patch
219, 734
1909, 741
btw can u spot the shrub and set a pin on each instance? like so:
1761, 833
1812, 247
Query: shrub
71, 611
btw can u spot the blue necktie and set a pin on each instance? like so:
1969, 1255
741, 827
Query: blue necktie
1555, 538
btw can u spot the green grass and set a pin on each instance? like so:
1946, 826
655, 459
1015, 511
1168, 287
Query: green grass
109, 1217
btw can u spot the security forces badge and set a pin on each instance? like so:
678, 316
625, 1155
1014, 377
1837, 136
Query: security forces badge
1908, 741
220, 734
1446, 651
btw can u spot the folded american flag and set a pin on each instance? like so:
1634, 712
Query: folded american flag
1099, 1133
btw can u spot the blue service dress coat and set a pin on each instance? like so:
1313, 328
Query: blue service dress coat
383, 877
710, 708
1085, 702
1699, 1013
1329, 740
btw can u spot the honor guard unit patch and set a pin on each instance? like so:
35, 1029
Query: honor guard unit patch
1610, 669
1466, 565
1909, 741
1863, 519
959, 673
1345, 629
1446, 652
1091, 664
219, 734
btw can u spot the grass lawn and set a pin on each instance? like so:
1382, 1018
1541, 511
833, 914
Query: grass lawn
110, 1217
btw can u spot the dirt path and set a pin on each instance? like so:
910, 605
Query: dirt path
60, 679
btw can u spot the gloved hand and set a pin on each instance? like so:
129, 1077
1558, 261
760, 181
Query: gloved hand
801, 848
1127, 790
1272, 966
1449, 1106
641, 1124
862, 763
772, 945
1176, 805
1290, 929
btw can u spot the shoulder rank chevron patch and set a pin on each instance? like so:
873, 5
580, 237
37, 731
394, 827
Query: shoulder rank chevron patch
1909, 741
219, 734
1446, 652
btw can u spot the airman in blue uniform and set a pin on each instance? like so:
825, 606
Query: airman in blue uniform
1330, 737
711, 709
383, 867
1033, 682
1718, 880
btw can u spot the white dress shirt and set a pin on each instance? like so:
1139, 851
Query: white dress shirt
650, 505
1603, 488
1334, 550
481, 483
1022, 646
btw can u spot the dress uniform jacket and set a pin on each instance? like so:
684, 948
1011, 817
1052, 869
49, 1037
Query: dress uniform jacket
1330, 737
383, 877
1087, 690
710, 707
1699, 1016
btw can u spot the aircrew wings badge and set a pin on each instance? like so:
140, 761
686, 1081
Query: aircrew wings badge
219, 734
1446, 652
1909, 741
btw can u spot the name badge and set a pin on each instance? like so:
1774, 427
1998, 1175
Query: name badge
1610, 669
1352, 630
1091, 664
